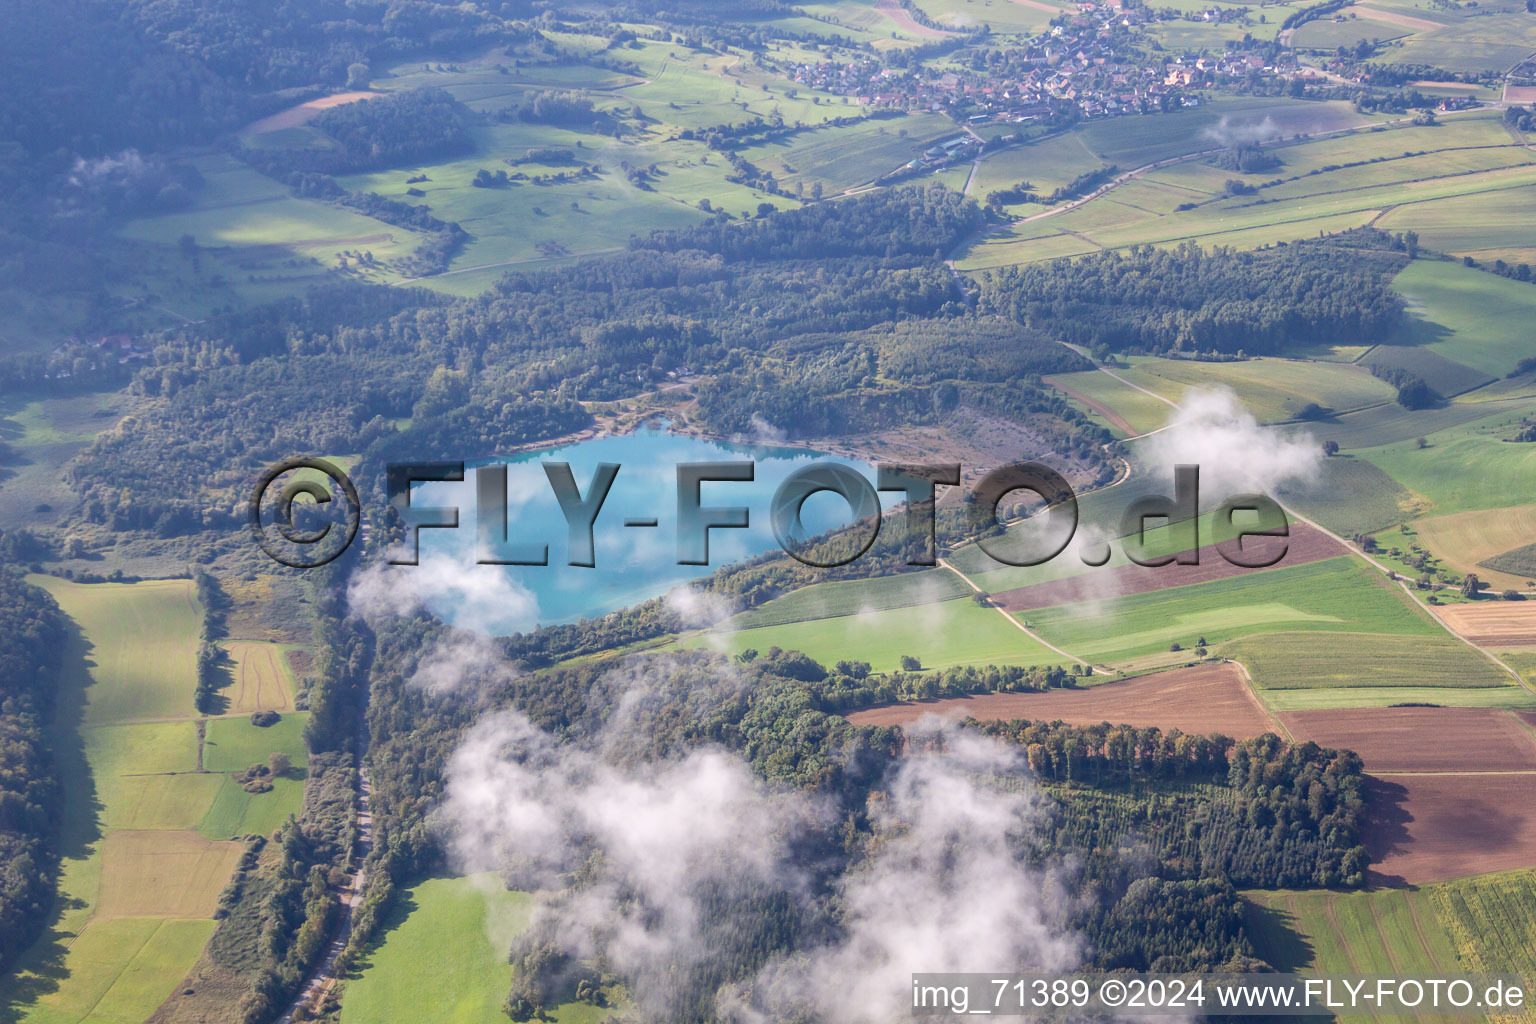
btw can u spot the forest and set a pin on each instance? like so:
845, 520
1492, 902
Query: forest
1188, 301
1207, 813
31, 656
423, 125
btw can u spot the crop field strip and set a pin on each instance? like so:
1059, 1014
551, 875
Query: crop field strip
939, 635
1295, 660
1336, 595
1385, 931
155, 837
1486, 923
1493, 624
1210, 698
1304, 545
1274, 390
1424, 170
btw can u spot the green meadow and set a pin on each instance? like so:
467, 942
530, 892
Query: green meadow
1331, 661
1468, 316
1333, 596
1273, 390
942, 635
149, 809
1465, 467
850, 597
841, 157
119, 970
1455, 182
1485, 923
143, 639
1388, 931
1325, 699
1388, 423
455, 931
1001, 16
45, 432
1492, 37
1137, 410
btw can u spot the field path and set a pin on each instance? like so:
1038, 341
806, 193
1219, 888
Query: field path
1036, 637
1114, 418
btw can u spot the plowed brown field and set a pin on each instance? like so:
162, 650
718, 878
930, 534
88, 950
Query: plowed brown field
1203, 699
1427, 828
1422, 739
1305, 545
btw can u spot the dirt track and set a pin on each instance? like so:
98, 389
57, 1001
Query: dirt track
1428, 828
1493, 623
1305, 545
1203, 699
1115, 419
1423, 739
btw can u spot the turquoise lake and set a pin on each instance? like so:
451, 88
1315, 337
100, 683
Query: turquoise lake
633, 564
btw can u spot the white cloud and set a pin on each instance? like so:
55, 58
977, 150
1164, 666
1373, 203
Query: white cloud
482, 598
1212, 429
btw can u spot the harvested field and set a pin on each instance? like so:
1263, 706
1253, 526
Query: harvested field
1305, 545
1393, 18
1429, 828
1494, 623
157, 873
262, 678
295, 116
1422, 739
1203, 699
897, 13
1467, 539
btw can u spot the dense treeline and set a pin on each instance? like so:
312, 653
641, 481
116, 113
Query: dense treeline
478, 376
1290, 815
280, 909
32, 635
424, 125
275, 44
1413, 391
1163, 826
550, 107
211, 676
1191, 301
84, 83
898, 222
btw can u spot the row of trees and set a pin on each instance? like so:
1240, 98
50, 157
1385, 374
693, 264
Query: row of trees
32, 643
